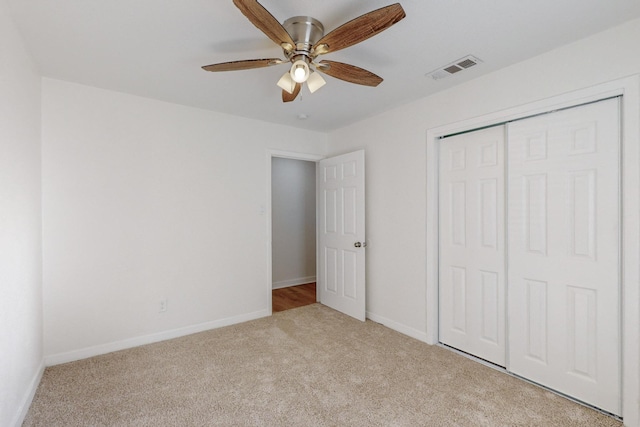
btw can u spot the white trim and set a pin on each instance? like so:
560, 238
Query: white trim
293, 282
631, 252
23, 409
97, 350
629, 87
285, 155
295, 155
398, 327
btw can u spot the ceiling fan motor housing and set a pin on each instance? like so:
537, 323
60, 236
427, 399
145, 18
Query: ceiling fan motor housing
305, 31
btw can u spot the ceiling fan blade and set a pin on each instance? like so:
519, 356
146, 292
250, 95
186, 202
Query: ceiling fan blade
349, 73
243, 65
360, 29
288, 97
261, 18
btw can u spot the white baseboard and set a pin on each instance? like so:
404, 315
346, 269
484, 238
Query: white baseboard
398, 327
293, 282
56, 359
21, 414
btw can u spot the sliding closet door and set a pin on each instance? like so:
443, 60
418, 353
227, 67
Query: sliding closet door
564, 239
472, 293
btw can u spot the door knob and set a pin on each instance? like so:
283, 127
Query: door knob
360, 244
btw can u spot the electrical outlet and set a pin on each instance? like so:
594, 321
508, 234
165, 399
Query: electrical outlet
163, 306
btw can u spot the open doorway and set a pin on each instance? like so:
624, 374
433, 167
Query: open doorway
293, 233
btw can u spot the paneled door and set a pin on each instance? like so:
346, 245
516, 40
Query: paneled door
341, 234
564, 239
472, 244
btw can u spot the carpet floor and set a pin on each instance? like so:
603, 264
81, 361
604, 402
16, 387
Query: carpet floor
310, 366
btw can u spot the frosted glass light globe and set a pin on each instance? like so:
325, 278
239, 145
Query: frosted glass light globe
299, 71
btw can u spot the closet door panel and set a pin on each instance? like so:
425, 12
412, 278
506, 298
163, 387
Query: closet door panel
472, 273
563, 258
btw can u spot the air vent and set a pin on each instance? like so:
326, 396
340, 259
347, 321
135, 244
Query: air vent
452, 69
455, 67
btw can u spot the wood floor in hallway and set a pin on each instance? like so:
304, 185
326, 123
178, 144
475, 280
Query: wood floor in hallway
293, 296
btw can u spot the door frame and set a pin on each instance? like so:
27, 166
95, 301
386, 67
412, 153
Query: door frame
629, 89
269, 218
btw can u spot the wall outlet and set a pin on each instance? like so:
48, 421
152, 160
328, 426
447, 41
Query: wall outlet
163, 306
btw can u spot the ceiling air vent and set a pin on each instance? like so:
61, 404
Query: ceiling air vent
455, 67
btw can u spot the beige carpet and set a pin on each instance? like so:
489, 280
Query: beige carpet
309, 366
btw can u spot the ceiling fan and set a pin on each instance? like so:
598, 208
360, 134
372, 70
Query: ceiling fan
302, 40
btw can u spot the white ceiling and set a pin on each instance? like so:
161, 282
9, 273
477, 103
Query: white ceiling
155, 48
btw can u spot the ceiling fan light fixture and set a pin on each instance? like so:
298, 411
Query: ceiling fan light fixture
315, 82
302, 39
300, 71
286, 83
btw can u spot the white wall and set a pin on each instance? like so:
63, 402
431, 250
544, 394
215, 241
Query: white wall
396, 157
293, 198
20, 232
395, 143
145, 201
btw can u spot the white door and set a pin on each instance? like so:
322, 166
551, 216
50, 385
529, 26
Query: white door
564, 238
341, 234
472, 263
